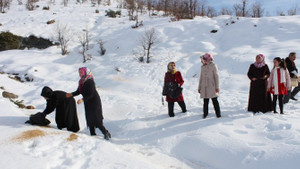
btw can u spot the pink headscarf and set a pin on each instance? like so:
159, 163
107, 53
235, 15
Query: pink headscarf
261, 63
206, 58
87, 74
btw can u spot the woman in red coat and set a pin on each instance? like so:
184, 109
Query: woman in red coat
172, 75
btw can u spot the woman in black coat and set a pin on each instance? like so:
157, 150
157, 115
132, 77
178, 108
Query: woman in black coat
92, 102
66, 113
259, 97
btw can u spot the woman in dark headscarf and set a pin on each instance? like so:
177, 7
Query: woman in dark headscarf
259, 98
92, 102
66, 113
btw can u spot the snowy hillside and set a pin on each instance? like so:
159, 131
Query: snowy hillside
143, 136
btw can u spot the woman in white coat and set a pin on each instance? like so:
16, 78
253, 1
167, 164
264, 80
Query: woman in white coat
209, 84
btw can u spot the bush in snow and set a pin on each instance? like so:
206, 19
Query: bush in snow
50, 22
112, 13
4, 5
9, 41
46, 8
102, 50
30, 5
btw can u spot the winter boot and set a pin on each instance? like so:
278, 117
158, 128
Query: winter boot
107, 135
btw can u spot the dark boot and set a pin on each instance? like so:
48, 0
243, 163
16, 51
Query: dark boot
217, 107
182, 106
280, 99
107, 135
205, 108
274, 103
92, 131
171, 109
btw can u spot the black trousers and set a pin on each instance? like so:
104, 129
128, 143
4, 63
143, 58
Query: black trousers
216, 106
171, 107
280, 99
286, 98
100, 127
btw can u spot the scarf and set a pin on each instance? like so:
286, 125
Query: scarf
261, 63
206, 58
87, 74
170, 69
275, 78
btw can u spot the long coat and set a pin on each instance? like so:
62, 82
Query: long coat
259, 98
175, 78
291, 66
66, 112
209, 81
92, 103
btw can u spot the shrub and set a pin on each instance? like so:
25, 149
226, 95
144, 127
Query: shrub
46, 8
97, 11
112, 13
9, 41
50, 22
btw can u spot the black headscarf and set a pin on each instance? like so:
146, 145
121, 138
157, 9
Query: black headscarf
47, 92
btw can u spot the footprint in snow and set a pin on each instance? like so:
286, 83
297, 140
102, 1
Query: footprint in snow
241, 132
253, 156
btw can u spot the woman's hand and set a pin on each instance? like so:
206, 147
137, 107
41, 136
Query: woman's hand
69, 95
199, 91
254, 79
79, 101
268, 89
217, 90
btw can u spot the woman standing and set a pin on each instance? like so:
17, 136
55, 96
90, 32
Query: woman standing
279, 82
209, 84
173, 76
259, 98
92, 102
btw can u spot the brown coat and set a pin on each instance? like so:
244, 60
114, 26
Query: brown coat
209, 81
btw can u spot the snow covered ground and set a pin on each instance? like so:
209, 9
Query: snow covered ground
143, 136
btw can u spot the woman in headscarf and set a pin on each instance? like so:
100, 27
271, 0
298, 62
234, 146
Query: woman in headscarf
92, 102
259, 98
173, 76
66, 112
209, 84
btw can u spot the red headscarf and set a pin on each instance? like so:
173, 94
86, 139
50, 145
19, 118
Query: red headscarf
206, 58
87, 74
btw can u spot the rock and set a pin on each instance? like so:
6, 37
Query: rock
2, 88
214, 31
6, 94
51, 22
30, 107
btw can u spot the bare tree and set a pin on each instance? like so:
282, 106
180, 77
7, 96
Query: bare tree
148, 40
65, 2
30, 5
84, 40
257, 10
4, 4
63, 37
293, 10
226, 11
202, 7
211, 12
241, 9
131, 7
101, 46
150, 6
280, 12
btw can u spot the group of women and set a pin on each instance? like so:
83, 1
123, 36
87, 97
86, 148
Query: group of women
277, 82
208, 85
64, 103
263, 83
